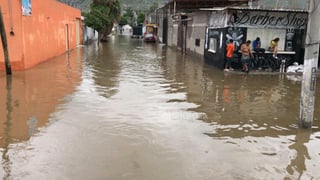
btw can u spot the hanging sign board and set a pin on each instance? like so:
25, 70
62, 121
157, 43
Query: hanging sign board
270, 19
26, 7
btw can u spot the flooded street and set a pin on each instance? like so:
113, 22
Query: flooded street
131, 110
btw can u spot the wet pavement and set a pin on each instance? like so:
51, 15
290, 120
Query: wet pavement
132, 110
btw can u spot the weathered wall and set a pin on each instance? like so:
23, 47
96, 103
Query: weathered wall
172, 34
196, 32
42, 35
196, 28
313, 37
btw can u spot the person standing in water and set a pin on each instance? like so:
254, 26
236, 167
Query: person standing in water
246, 55
229, 55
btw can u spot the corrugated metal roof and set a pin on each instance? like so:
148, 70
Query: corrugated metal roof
196, 4
252, 9
231, 4
260, 9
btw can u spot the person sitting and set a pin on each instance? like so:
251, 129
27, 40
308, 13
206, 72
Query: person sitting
259, 52
256, 44
274, 47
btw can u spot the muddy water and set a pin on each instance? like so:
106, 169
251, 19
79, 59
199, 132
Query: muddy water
130, 110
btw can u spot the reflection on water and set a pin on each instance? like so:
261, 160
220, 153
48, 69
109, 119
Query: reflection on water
258, 105
33, 94
130, 110
297, 164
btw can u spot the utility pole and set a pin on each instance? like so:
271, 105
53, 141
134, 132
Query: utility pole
5, 45
309, 78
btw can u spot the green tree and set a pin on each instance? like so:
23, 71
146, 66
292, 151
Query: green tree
141, 17
128, 17
123, 20
153, 7
102, 15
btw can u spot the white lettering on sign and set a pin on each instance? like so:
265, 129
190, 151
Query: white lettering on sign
271, 19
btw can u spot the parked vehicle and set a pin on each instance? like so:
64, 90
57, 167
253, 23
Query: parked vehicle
151, 33
137, 32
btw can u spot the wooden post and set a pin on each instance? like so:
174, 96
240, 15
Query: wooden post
308, 85
5, 45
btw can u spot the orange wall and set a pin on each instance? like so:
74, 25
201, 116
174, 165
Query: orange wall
40, 36
14, 42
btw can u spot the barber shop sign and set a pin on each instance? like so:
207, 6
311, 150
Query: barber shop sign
296, 20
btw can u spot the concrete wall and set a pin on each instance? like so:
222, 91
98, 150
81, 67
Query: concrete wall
196, 28
196, 31
42, 35
172, 33
313, 38
159, 22
12, 22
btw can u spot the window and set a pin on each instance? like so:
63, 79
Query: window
213, 45
198, 42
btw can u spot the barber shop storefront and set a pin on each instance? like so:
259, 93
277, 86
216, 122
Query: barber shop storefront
241, 25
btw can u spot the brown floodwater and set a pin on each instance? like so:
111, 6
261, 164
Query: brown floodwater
131, 110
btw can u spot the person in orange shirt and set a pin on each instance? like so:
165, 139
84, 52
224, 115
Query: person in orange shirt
229, 55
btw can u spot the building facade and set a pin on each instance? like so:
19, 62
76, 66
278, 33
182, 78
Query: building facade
204, 27
242, 24
38, 30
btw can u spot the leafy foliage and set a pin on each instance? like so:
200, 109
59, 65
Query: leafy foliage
141, 17
83, 5
141, 5
97, 18
128, 17
153, 7
138, 5
132, 17
102, 15
123, 20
